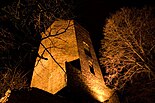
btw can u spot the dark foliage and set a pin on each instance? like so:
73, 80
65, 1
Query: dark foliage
22, 22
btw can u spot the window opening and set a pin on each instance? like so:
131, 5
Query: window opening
87, 49
89, 57
92, 69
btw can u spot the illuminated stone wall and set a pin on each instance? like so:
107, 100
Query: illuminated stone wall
84, 41
66, 42
89, 84
49, 74
89, 81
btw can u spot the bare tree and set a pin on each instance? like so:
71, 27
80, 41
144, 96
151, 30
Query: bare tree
128, 48
20, 35
12, 79
25, 20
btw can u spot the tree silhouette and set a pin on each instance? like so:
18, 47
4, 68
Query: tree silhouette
23, 22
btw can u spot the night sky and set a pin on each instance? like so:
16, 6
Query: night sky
91, 14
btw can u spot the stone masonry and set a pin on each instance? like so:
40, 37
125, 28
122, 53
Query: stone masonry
67, 45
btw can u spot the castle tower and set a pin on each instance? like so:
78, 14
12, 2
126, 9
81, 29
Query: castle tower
66, 57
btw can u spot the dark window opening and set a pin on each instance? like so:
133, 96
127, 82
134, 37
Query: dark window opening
89, 57
92, 69
87, 49
87, 52
76, 64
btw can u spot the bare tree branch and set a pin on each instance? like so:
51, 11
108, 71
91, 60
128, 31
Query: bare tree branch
128, 46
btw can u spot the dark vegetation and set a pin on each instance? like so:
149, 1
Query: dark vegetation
22, 22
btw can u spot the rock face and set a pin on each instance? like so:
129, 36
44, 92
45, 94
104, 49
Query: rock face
66, 45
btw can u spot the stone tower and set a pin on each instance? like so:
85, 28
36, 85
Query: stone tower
66, 57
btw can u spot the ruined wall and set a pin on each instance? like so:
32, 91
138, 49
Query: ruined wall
88, 84
87, 60
60, 43
67, 42
85, 79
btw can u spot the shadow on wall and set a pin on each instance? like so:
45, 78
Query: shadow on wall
79, 96
35, 95
87, 85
